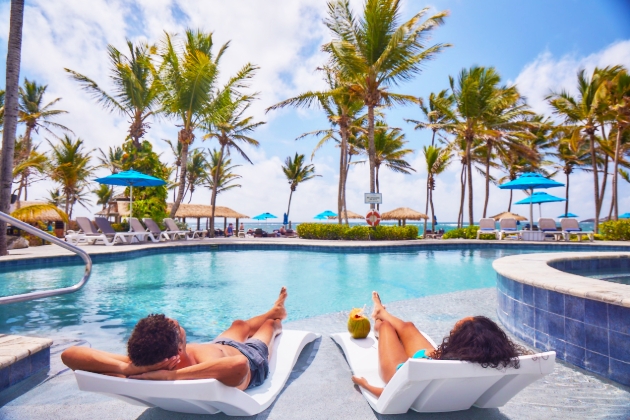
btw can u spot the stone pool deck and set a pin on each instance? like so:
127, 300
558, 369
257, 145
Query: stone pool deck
320, 386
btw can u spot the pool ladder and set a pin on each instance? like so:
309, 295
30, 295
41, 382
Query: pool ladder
47, 237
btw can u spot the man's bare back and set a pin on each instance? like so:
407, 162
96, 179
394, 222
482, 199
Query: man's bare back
239, 363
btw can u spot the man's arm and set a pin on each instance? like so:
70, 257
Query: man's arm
231, 371
97, 361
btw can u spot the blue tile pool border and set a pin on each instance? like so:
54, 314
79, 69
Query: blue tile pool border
24, 368
590, 334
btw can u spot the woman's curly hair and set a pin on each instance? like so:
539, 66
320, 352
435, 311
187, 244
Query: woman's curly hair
152, 340
480, 340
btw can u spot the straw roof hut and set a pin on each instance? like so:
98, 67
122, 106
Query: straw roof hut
202, 210
45, 216
353, 215
509, 215
402, 214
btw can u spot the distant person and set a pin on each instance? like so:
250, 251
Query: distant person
230, 230
283, 231
242, 227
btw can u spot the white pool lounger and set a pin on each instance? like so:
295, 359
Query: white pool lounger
432, 386
206, 396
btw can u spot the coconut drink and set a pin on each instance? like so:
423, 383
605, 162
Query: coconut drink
358, 324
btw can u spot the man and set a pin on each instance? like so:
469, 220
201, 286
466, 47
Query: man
157, 350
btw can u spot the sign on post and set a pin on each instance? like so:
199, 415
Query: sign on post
373, 198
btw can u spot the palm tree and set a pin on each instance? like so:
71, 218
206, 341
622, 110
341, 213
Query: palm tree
55, 198
196, 171
70, 167
230, 128
572, 153
176, 148
373, 52
14, 54
584, 114
436, 118
297, 173
104, 194
1, 107
136, 89
225, 177
24, 165
112, 160
437, 160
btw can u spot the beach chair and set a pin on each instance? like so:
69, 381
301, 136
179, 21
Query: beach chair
548, 226
487, 226
88, 233
206, 396
241, 233
155, 229
106, 228
572, 227
432, 386
175, 231
508, 227
141, 232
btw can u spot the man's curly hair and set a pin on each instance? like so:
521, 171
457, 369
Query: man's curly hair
152, 340
481, 340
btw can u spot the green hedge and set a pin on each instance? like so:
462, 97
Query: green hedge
356, 233
615, 230
469, 232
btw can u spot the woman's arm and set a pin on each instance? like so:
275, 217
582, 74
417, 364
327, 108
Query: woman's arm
97, 361
363, 383
231, 371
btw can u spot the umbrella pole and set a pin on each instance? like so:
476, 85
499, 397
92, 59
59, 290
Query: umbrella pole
130, 205
531, 211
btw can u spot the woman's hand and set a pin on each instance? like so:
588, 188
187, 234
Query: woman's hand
166, 365
360, 381
363, 383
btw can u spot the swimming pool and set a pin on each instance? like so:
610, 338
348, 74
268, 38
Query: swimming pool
206, 290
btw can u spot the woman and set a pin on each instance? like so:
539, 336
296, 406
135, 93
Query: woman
474, 339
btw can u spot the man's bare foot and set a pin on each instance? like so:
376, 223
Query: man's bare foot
278, 311
378, 306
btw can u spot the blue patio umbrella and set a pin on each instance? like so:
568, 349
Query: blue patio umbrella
131, 179
530, 181
539, 198
625, 216
320, 217
563, 216
326, 214
264, 216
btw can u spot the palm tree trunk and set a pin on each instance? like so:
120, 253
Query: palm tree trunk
182, 180
510, 202
470, 186
215, 182
371, 148
345, 183
432, 210
14, 56
460, 217
615, 190
176, 175
433, 138
289, 206
485, 205
602, 190
378, 206
342, 165
595, 179
566, 203
426, 206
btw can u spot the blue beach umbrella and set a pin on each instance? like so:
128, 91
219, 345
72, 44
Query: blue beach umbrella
564, 216
131, 179
326, 214
530, 181
264, 216
320, 217
625, 216
539, 198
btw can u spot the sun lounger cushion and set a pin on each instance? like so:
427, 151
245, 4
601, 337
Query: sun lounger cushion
206, 396
431, 386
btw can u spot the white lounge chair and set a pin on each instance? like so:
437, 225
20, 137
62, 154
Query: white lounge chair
548, 226
487, 226
508, 227
141, 233
91, 235
206, 396
106, 228
155, 229
572, 227
433, 386
174, 230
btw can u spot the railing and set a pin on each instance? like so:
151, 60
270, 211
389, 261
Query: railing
47, 237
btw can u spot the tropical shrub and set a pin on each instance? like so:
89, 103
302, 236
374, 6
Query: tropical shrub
615, 230
121, 227
469, 232
356, 233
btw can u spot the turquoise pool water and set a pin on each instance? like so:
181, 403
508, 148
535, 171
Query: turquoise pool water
615, 275
206, 290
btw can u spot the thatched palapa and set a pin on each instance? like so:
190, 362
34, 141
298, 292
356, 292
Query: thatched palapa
353, 215
201, 210
403, 213
509, 215
44, 216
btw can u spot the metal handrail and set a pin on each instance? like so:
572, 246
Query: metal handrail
47, 237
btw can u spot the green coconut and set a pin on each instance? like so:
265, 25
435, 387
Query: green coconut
358, 324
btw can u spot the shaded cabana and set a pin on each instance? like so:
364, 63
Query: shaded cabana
508, 215
117, 207
353, 215
402, 214
199, 211
44, 216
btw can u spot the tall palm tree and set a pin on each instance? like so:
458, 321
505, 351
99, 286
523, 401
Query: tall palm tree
584, 115
572, 153
136, 89
297, 173
14, 54
435, 117
226, 177
437, 160
1, 108
196, 171
55, 198
373, 52
103, 194
112, 160
176, 148
70, 167
232, 129
24, 166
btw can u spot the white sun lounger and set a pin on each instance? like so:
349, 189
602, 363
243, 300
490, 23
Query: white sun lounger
174, 230
91, 235
487, 226
206, 396
548, 226
572, 227
107, 229
508, 227
155, 229
433, 386
141, 233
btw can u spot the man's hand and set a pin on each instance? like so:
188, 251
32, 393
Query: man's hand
164, 365
156, 375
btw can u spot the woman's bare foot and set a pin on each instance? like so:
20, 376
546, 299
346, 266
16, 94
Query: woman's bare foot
278, 311
378, 306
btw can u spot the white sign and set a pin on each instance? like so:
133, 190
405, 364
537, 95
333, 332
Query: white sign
373, 198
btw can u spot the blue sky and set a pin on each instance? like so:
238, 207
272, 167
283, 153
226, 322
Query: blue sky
538, 44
